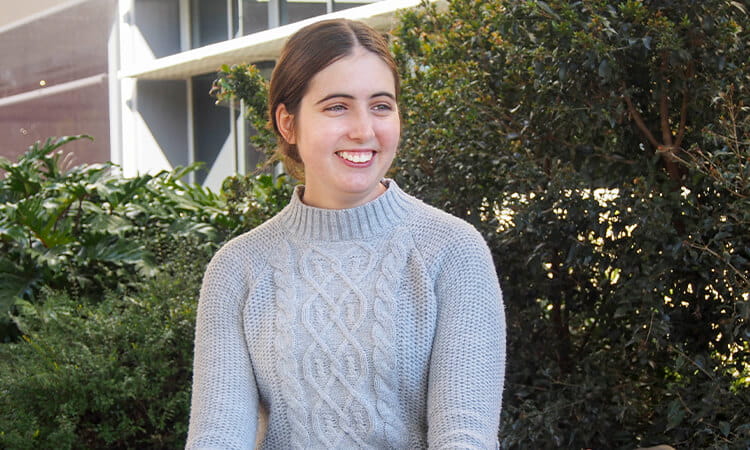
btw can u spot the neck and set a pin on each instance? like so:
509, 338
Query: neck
343, 200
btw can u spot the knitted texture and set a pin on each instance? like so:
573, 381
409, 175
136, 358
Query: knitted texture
380, 326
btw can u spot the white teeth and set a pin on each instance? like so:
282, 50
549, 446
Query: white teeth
356, 157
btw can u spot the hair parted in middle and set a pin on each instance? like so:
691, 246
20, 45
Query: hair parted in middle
307, 52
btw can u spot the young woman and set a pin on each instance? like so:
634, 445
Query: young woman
358, 317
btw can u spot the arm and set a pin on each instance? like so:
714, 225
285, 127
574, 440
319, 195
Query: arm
224, 409
467, 366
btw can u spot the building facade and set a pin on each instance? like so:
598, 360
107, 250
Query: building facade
135, 74
54, 75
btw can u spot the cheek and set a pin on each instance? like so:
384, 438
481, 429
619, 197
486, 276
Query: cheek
316, 139
390, 132
321, 131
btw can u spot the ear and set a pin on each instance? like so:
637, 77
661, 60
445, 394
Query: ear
285, 122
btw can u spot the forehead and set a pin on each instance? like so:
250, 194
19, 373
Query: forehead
361, 70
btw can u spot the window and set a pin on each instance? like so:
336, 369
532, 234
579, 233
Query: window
212, 130
221, 134
210, 19
254, 15
295, 10
158, 23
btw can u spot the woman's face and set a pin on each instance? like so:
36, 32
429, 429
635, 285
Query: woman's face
346, 130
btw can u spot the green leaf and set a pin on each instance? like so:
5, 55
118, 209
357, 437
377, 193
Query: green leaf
739, 6
111, 249
605, 70
546, 8
110, 224
14, 284
675, 414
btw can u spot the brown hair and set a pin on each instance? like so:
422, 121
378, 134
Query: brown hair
307, 52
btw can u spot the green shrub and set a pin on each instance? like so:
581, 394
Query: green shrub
87, 229
245, 82
110, 372
101, 276
588, 142
253, 199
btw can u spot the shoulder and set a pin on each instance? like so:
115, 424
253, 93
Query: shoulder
244, 256
438, 233
456, 256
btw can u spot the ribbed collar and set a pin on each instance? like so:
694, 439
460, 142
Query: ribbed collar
363, 222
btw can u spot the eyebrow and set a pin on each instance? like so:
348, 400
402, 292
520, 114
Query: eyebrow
349, 96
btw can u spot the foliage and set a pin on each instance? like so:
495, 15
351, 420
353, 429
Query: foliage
251, 200
728, 168
255, 198
601, 148
104, 358
86, 229
245, 82
105, 373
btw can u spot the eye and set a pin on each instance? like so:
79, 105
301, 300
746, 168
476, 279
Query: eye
335, 108
382, 107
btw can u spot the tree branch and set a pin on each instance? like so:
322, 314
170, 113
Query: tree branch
636, 116
689, 72
705, 248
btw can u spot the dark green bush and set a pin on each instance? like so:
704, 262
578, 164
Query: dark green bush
588, 141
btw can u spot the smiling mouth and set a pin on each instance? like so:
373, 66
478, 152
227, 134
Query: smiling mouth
356, 157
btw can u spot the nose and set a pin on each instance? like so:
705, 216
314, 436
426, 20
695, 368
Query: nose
361, 128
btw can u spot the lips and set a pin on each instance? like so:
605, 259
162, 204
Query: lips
356, 157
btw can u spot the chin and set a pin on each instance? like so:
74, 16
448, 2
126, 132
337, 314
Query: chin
359, 184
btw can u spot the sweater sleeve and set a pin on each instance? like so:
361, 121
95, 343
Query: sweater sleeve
224, 408
467, 366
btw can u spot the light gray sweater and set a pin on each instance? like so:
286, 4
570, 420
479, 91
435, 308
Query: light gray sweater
380, 326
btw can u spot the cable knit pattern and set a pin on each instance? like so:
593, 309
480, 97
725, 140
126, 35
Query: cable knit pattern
384, 342
284, 346
380, 326
333, 313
